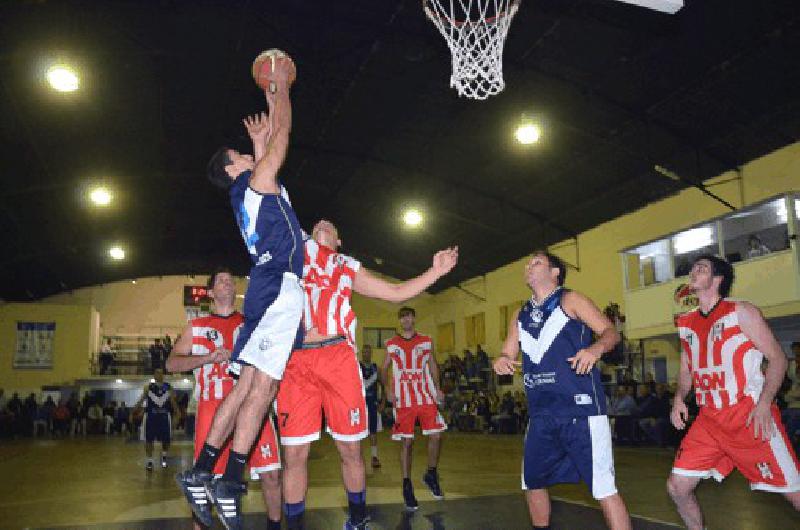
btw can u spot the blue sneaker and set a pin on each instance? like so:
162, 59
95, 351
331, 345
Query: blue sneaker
350, 525
193, 485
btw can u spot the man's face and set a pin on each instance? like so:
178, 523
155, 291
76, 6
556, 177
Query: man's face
325, 233
366, 353
239, 163
158, 375
224, 289
701, 277
539, 272
407, 322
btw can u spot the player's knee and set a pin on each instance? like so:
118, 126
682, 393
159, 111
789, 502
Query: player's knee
676, 487
296, 455
271, 480
349, 451
408, 443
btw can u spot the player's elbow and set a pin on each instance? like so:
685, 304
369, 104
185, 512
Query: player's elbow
170, 365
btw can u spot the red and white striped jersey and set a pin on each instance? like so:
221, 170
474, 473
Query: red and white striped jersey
328, 278
725, 364
413, 384
212, 382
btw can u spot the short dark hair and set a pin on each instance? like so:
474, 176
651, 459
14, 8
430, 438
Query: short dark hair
555, 263
216, 169
405, 310
213, 277
719, 267
796, 345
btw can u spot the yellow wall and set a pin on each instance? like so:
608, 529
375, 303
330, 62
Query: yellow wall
75, 337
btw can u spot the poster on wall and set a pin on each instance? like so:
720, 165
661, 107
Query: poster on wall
34, 345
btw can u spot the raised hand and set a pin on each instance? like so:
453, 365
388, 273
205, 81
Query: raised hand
258, 127
445, 260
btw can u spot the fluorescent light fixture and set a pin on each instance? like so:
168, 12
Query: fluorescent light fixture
665, 6
412, 217
116, 253
528, 133
100, 196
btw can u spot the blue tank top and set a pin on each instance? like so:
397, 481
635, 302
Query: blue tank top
158, 398
269, 227
547, 338
369, 372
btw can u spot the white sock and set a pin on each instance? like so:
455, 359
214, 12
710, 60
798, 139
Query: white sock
150, 460
374, 451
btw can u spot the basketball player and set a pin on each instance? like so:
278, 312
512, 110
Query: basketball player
157, 424
369, 372
273, 303
568, 437
204, 347
724, 343
414, 392
324, 373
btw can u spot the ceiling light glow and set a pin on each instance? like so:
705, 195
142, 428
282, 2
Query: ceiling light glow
116, 253
100, 196
63, 78
528, 133
412, 217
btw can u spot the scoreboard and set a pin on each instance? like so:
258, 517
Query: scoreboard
195, 295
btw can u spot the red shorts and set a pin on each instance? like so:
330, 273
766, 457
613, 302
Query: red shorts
265, 455
719, 440
317, 379
430, 421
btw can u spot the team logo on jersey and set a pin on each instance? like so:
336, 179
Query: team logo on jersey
763, 468
264, 258
266, 451
338, 259
265, 344
212, 335
355, 417
717, 330
537, 315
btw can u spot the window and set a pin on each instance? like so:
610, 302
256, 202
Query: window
476, 329
689, 244
648, 264
446, 337
756, 232
506, 313
377, 337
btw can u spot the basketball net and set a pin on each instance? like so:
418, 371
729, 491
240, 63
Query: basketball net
475, 31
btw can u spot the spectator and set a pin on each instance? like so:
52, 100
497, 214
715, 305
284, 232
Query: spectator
623, 406
756, 247
44, 417
106, 357
650, 381
61, 419
94, 418
109, 414
29, 413
122, 422
167, 345
157, 355
791, 415
74, 407
14, 408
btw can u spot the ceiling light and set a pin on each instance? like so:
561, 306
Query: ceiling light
119, 381
133, 281
116, 253
528, 133
63, 78
100, 196
412, 217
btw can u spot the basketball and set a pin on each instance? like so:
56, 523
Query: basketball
272, 67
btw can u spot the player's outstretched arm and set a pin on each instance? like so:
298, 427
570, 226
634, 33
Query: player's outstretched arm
258, 128
582, 308
265, 174
756, 329
507, 362
367, 284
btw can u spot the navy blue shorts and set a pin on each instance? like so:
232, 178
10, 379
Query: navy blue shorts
564, 449
372, 416
157, 426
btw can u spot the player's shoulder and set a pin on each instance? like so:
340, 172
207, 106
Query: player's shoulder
394, 341
745, 309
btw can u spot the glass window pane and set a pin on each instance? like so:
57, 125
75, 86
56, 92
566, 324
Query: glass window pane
690, 244
648, 264
756, 232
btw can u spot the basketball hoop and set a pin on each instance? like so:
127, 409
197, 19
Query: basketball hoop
475, 31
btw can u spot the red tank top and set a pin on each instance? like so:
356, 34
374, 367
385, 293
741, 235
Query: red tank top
412, 381
212, 381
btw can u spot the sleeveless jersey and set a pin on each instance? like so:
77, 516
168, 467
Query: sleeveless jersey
547, 338
212, 382
369, 373
328, 282
158, 398
412, 381
269, 227
725, 364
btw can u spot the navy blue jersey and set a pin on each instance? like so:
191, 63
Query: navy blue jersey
158, 398
369, 372
547, 338
269, 227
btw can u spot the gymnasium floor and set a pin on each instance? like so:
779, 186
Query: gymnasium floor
100, 482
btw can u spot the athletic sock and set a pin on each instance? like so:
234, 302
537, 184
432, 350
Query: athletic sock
207, 458
374, 451
294, 514
357, 503
235, 467
273, 525
432, 470
149, 460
